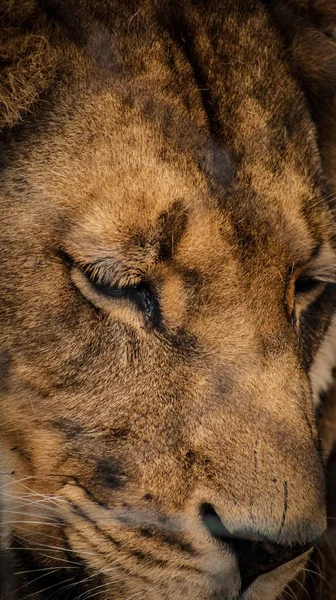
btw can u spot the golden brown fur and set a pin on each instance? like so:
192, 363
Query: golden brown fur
168, 295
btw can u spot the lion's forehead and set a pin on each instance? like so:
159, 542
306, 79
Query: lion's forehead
150, 156
131, 183
149, 161
129, 203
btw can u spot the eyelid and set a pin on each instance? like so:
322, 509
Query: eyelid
322, 266
142, 296
108, 290
292, 291
327, 277
307, 284
103, 269
98, 282
96, 275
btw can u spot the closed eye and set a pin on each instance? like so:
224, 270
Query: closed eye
142, 295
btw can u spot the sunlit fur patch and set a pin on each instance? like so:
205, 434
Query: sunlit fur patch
181, 147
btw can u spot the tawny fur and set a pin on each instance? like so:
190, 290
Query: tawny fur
189, 146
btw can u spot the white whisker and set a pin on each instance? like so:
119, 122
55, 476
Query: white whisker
50, 524
38, 570
28, 514
59, 548
54, 570
48, 588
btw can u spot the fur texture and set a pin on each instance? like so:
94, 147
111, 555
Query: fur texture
168, 294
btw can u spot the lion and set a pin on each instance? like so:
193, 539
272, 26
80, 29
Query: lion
167, 295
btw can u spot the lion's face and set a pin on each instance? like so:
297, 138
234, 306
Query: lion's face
165, 294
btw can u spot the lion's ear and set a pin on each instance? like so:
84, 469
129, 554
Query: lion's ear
27, 58
309, 27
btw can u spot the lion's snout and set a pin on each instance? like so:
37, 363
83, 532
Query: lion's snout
255, 554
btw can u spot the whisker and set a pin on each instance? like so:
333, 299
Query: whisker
36, 494
137, 594
54, 570
15, 481
49, 588
60, 548
93, 595
38, 570
289, 592
47, 535
26, 514
50, 524
37, 504
302, 586
27, 502
88, 592
322, 559
78, 583
314, 573
45, 548
37, 551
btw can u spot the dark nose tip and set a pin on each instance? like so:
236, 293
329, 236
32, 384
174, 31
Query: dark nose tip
255, 555
259, 557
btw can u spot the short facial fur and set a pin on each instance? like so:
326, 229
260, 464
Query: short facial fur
172, 151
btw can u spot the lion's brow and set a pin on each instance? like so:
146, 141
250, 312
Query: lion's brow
130, 257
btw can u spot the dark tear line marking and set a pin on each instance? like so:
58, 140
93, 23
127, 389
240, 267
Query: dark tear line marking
284, 514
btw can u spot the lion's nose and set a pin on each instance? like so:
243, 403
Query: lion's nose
255, 554
259, 557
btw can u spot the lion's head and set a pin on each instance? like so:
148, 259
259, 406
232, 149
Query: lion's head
167, 290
